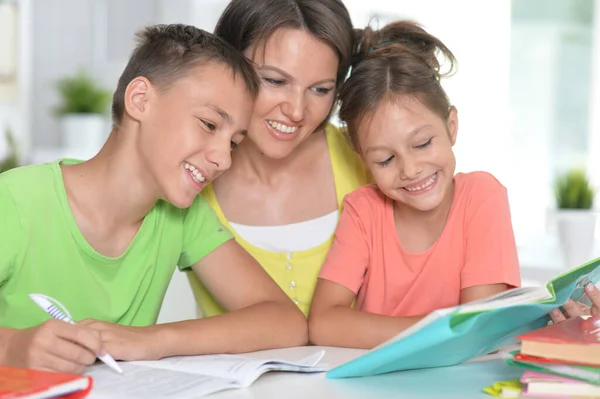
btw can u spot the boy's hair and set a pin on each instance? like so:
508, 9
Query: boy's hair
396, 61
247, 23
166, 53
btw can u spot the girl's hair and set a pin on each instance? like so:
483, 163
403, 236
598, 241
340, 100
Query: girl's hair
247, 23
398, 60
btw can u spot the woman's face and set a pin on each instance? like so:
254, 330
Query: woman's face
299, 77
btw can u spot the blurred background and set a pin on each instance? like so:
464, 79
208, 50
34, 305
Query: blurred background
527, 92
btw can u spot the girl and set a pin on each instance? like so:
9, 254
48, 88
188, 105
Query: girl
421, 238
283, 194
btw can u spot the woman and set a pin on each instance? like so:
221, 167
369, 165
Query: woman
283, 194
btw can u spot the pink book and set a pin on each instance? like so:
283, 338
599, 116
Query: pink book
540, 385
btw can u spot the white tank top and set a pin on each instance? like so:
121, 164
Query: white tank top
290, 237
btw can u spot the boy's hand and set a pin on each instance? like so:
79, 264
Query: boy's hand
576, 309
124, 342
53, 345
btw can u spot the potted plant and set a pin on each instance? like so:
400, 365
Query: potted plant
576, 221
12, 160
82, 111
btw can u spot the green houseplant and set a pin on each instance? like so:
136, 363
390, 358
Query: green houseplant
573, 190
12, 159
576, 221
82, 111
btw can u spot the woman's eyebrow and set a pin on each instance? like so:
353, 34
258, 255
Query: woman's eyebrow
290, 77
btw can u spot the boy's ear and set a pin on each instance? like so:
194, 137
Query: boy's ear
136, 97
452, 124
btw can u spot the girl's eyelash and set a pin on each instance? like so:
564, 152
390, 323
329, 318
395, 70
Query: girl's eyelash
424, 145
233, 145
210, 126
384, 163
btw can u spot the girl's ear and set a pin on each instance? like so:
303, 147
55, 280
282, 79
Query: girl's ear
136, 98
452, 124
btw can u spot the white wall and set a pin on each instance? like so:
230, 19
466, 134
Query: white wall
594, 142
18, 115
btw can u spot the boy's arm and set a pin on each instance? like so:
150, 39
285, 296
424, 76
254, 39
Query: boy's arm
53, 345
332, 322
260, 315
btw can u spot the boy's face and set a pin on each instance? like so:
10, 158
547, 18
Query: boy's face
408, 149
189, 130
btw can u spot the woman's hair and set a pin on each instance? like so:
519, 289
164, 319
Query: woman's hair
246, 23
396, 61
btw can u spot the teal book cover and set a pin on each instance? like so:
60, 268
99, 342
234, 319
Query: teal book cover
451, 336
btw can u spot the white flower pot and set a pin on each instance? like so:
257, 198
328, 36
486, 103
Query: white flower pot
576, 234
83, 134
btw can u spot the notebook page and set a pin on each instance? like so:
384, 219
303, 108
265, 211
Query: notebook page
243, 370
147, 382
507, 298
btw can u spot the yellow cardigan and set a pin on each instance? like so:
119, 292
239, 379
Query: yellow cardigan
297, 276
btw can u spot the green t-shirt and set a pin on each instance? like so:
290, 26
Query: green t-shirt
42, 251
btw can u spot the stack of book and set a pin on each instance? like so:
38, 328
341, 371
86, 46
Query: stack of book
561, 360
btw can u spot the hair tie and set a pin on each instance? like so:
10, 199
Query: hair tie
383, 43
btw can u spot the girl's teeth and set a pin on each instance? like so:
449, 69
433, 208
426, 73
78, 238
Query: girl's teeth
282, 128
424, 185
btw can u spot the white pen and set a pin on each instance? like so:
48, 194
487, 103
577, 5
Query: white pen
59, 312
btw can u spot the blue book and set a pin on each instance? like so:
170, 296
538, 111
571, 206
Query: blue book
451, 336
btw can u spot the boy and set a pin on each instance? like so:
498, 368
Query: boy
103, 236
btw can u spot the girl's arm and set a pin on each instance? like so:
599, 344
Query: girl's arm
333, 322
478, 292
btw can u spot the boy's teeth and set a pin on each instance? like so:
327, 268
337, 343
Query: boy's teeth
282, 128
424, 185
196, 175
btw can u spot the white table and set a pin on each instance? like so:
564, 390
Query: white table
461, 382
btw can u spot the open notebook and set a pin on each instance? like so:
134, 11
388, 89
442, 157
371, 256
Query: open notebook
454, 335
184, 377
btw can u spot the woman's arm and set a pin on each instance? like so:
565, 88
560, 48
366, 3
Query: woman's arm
333, 322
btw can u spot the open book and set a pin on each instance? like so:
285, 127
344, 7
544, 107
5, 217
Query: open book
453, 335
191, 376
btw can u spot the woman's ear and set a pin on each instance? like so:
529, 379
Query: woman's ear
452, 124
136, 97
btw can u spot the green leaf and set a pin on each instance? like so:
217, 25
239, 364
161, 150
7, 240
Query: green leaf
81, 95
573, 190
12, 160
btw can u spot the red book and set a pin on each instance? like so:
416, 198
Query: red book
27, 383
574, 340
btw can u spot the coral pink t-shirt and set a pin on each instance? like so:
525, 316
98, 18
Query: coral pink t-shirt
476, 247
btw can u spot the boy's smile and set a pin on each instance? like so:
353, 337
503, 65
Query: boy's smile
189, 130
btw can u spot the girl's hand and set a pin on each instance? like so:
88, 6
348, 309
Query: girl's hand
576, 309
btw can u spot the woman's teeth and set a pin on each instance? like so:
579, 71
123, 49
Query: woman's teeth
428, 183
196, 175
280, 127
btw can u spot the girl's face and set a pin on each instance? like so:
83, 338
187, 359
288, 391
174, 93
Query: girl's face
408, 149
299, 76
